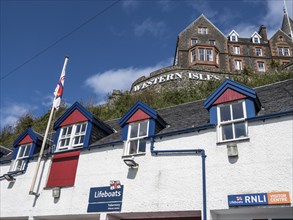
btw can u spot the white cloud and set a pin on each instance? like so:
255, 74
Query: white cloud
11, 112
149, 26
122, 79
130, 5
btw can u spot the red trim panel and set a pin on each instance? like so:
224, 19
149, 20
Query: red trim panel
27, 139
63, 169
75, 117
139, 115
228, 96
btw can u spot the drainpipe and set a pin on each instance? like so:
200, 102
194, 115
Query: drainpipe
203, 156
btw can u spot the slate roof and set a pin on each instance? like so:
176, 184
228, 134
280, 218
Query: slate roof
285, 24
274, 98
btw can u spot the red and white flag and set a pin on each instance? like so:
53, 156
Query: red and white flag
59, 88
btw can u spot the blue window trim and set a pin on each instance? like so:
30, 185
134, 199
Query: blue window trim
92, 121
230, 84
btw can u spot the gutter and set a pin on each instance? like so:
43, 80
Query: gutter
203, 156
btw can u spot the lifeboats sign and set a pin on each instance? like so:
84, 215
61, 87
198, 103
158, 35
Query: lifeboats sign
106, 199
174, 77
271, 198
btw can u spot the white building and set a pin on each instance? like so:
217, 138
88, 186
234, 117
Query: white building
226, 157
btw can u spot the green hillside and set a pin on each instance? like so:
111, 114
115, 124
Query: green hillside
162, 99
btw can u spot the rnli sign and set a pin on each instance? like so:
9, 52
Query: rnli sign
106, 199
272, 198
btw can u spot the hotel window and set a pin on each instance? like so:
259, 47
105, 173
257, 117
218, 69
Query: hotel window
201, 54
261, 66
205, 54
194, 41
136, 143
212, 42
193, 55
233, 38
202, 30
238, 65
236, 50
256, 40
258, 51
21, 158
232, 123
209, 55
283, 51
72, 136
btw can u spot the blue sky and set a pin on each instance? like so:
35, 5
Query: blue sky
109, 43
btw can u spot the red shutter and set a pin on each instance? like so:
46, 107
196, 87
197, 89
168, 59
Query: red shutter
63, 169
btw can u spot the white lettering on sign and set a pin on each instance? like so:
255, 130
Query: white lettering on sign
174, 76
255, 199
107, 194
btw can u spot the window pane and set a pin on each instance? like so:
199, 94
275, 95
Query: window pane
143, 128
201, 54
76, 140
21, 152
19, 165
64, 131
225, 113
237, 110
83, 128
240, 130
77, 129
27, 150
227, 132
81, 139
67, 140
134, 130
142, 145
133, 147
69, 130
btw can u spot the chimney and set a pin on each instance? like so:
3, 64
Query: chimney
263, 32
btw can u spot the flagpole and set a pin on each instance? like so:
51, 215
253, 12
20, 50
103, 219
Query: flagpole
31, 192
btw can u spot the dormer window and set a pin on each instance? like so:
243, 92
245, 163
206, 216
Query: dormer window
72, 136
255, 38
21, 158
135, 143
233, 36
231, 121
230, 106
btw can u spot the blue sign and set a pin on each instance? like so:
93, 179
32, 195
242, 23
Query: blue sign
105, 199
248, 199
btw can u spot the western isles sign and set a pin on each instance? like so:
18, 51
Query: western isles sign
174, 77
106, 199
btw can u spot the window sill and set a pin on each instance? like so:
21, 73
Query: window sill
133, 155
233, 140
67, 150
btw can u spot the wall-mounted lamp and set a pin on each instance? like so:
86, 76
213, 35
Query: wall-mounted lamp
232, 150
56, 192
9, 177
130, 162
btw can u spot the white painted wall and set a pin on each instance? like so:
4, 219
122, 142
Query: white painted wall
166, 183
